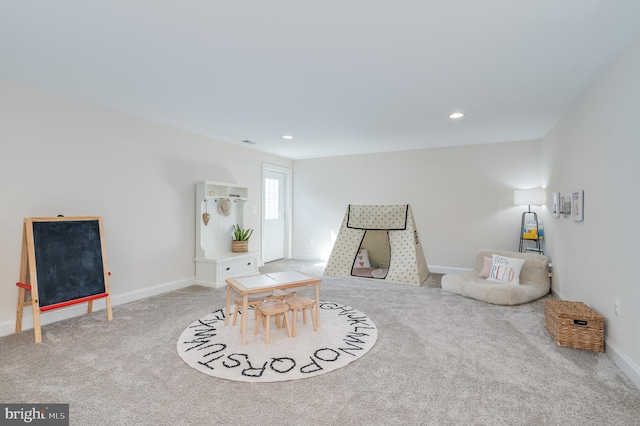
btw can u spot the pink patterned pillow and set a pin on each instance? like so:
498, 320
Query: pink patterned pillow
486, 267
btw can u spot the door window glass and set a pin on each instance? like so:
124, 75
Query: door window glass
271, 198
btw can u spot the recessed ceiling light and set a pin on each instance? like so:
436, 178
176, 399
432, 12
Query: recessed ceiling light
287, 137
456, 115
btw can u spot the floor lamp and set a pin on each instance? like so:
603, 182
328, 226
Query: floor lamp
529, 197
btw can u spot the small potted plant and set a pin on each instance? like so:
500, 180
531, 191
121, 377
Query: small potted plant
240, 237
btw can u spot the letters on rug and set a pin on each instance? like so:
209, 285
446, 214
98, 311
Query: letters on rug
210, 347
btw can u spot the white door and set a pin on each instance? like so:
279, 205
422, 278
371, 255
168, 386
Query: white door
274, 214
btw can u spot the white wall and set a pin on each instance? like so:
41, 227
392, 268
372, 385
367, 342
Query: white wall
462, 197
462, 200
596, 147
65, 157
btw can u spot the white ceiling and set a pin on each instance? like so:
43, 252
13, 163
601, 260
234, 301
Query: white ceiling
342, 76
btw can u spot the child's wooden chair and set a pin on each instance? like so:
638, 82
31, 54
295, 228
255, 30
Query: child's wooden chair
264, 313
254, 299
302, 303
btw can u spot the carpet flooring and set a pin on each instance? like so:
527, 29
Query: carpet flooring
440, 359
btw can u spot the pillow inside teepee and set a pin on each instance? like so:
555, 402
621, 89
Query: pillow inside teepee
362, 259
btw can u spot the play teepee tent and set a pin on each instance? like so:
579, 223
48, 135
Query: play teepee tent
379, 242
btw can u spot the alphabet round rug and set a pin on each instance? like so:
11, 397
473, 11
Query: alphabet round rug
344, 335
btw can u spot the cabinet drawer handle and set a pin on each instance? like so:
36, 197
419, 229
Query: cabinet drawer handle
249, 264
228, 268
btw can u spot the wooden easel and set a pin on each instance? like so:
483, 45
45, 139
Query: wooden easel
28, 292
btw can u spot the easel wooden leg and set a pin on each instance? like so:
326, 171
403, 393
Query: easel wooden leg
109, 313
28, 282
36, 323
20, 309
108, 302
22, 276
22, 303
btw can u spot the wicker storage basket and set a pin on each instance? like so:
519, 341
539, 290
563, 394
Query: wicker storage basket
574, 325
239, 246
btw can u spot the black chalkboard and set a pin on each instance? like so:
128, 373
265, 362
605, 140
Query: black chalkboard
68, 260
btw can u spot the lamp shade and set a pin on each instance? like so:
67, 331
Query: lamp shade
528, 197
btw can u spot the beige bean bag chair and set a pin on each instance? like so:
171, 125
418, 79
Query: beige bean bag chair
500, 286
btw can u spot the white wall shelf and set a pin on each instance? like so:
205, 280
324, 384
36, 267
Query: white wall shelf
214, 190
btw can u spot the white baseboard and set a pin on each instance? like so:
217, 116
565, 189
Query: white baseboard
448, 270
623, 362
8, 327
557, 294
432, 268
210, 284
307, 257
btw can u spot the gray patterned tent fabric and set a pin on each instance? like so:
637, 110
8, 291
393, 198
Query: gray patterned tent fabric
389, 234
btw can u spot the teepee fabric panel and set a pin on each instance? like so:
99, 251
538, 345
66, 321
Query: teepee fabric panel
423, 269
344, 250
377, 217
403, 268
